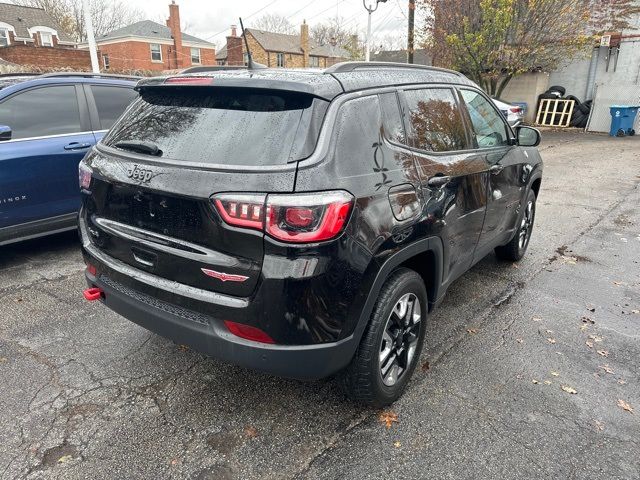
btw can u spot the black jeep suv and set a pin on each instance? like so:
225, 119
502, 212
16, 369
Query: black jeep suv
304, 223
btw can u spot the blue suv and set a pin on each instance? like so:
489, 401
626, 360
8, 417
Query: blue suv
47, 124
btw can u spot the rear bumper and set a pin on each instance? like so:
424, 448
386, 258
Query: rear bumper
210, 336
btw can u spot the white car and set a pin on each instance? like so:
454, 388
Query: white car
513, 113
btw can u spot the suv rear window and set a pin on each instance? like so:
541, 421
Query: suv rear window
229, 126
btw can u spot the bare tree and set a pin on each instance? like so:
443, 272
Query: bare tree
272, 22
107, 15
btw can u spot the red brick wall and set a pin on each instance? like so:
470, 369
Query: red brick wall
137, 56
47, 57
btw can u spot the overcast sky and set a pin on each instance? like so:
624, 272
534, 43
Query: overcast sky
210, 19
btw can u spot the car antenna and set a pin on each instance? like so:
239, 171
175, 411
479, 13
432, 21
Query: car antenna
251, 65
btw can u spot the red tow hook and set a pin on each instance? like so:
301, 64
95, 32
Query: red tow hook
93, 294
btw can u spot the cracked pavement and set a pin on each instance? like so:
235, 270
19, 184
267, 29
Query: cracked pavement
87, 394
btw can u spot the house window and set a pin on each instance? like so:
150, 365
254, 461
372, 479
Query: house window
156, 53
314, 62
46, 39
280, 59
4, 37
105, 61
245, 59
195, 55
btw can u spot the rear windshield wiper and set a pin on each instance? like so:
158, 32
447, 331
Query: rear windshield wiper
139, 146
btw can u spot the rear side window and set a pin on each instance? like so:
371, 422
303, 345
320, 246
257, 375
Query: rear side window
41, 112
391, 118
435, 120
228, 126
489, 128
111, 102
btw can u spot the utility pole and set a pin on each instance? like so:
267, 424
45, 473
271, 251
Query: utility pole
370, 10
410, 37
91, 39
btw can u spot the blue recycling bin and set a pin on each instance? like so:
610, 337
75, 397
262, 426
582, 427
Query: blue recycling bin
623, 117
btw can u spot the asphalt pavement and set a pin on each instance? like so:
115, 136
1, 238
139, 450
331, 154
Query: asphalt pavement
530, 371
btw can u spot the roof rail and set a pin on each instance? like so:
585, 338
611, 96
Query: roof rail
19, 74
90, 75
212, 68
345, 67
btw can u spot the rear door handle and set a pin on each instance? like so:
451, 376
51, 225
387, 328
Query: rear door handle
77, 146
438, 181
496, 169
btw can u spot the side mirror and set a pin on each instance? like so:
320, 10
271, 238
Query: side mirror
528, 136
5, 133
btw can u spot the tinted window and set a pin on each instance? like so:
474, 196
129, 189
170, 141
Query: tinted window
489, 127
391, 118
435, 120
43, 111
223, 126
111, 102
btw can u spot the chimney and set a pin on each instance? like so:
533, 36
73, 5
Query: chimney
235, 52
174, 25
304, 43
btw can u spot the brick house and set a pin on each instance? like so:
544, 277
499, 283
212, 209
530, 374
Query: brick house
29, 36
148, 45
280, 50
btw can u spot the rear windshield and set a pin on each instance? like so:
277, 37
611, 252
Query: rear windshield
226, 126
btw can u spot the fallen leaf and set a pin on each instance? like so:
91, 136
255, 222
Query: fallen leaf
635, 312
625, 406
175, 461
425, 366
536, 319
583, 327
397, 444
604, 353
618, 283
589, 344
591, 309
66, 458
595, 338
607, 368
535, 382
519, 340
588, 320
622, 382
4, 359
472, 331
388, 417
250, 431
549, 331
568, 389
551, 340
555, 374
548, 382
599, 425
183, 348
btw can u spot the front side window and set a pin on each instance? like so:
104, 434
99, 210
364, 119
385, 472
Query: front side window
111, 102
488, 126
195, 55
435, 121
280, 59
4, 37
42, 112
47, 39
156, 52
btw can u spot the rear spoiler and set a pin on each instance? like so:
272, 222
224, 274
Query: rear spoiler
327, 90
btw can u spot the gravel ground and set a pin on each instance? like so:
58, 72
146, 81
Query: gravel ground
527, 370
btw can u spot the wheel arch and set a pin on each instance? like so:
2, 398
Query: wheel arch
425, 257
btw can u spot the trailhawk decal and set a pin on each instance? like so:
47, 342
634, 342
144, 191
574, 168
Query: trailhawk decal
225, 277
15, 199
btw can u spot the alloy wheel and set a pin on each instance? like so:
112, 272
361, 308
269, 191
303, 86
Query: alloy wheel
526, 226
400, 339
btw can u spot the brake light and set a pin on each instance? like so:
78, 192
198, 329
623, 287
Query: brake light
241, 210
248, 332
84, 176
189, 81
295, 218
515, 109
91, 269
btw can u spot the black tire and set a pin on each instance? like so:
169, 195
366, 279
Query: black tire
632, 132
575, 99
557, 88
363, 379
584, 109
516, 248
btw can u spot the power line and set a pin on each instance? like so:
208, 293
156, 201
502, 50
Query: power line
298, 11
245, 18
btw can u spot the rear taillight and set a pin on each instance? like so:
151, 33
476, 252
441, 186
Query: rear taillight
515, 109
295, 218
189, 81
84, 176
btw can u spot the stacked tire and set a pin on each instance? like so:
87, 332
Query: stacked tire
581, 110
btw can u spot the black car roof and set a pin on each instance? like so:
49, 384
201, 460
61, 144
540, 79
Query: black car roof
340, 78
